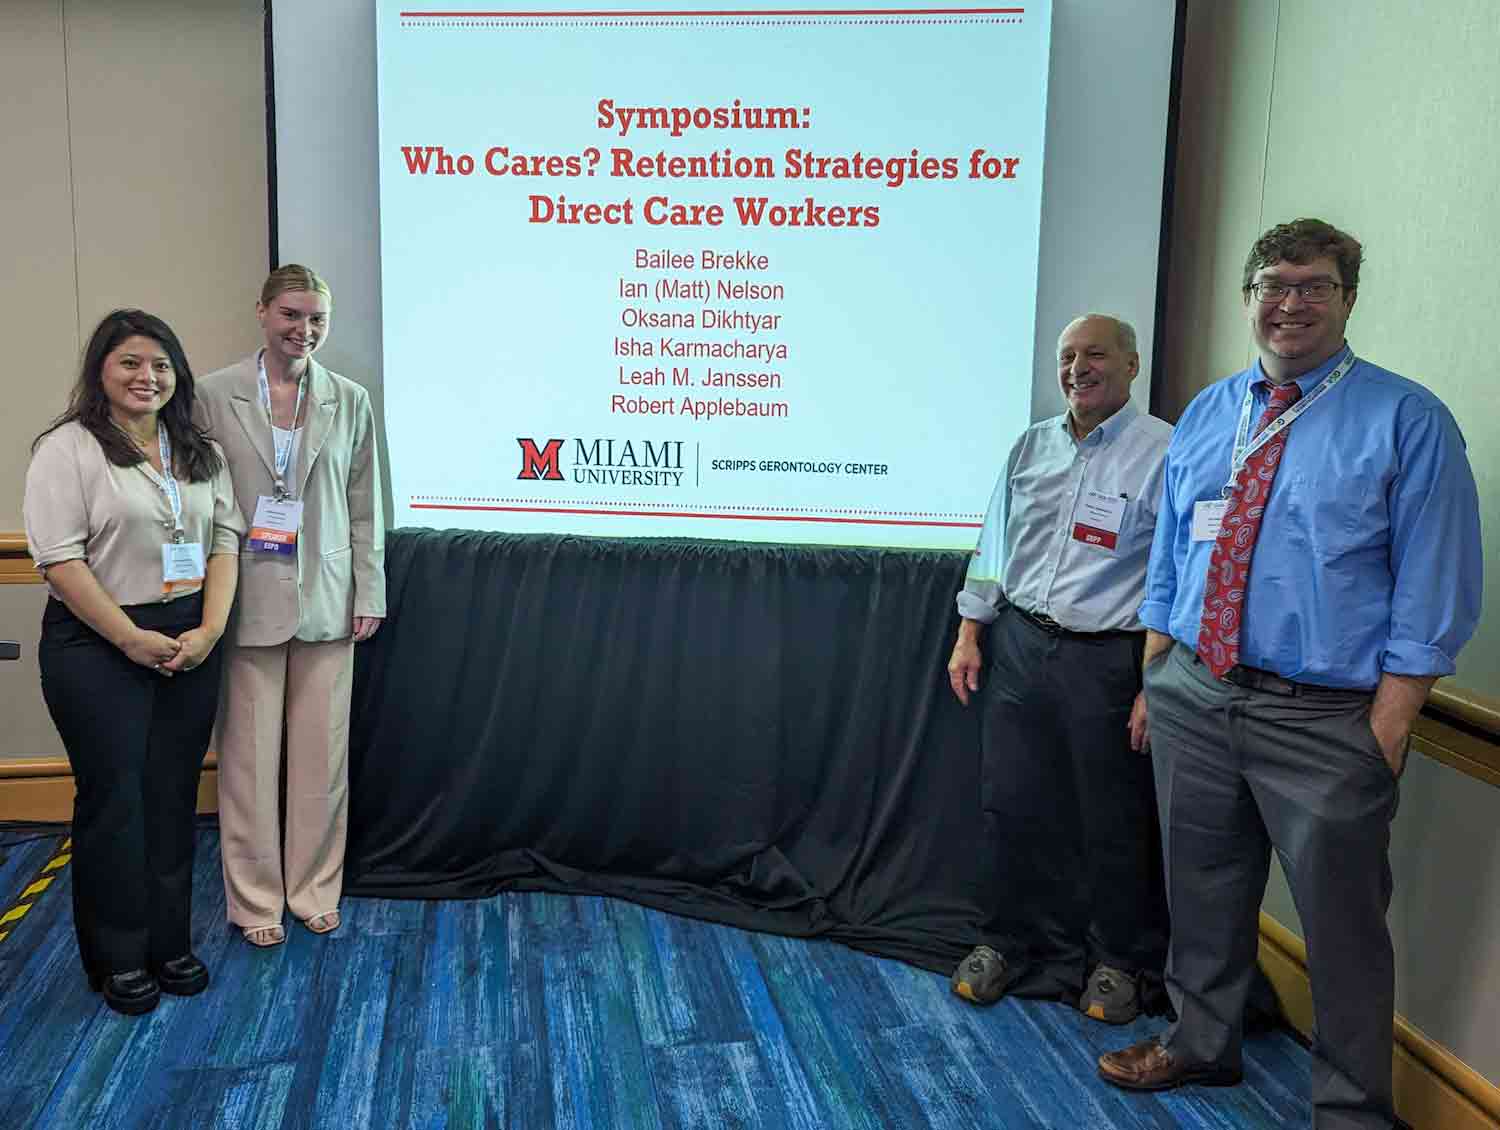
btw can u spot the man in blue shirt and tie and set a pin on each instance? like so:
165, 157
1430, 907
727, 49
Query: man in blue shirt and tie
1316, 567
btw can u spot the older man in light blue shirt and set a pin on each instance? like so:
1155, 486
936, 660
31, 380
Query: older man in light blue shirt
1363, 583
1077, 907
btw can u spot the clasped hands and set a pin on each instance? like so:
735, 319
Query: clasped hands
167, 655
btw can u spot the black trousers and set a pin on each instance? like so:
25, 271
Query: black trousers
136, 741
1070, 811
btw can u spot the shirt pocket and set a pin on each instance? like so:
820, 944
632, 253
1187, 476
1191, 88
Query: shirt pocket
1331, 514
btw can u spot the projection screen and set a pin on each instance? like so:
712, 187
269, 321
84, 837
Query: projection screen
767, 273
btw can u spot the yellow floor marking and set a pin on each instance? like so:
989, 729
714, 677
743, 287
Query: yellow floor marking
38, 887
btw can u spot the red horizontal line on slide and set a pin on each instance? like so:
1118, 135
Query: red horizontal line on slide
691, 514
723, 12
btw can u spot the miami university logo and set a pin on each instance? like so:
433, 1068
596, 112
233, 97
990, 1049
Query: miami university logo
539, 464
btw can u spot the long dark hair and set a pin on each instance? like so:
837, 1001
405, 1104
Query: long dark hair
87, 403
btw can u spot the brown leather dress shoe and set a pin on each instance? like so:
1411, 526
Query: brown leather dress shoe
1148, 1066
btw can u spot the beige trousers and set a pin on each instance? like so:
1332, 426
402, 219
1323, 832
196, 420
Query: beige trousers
302, 690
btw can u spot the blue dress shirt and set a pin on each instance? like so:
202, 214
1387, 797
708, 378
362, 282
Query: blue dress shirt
1368, 559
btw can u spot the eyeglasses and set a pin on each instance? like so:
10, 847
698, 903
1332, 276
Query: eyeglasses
1314, 292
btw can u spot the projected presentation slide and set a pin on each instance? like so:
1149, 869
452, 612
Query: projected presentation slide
764, 274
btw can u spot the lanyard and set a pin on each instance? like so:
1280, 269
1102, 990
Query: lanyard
280, 456
167, 482
1244, 447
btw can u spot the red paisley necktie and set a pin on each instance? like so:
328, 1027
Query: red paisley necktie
1229, 564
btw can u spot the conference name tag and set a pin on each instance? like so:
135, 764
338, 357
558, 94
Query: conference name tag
1098, 517
182, 566
277, 521
1208, 517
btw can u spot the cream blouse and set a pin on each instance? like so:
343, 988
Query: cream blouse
79, 505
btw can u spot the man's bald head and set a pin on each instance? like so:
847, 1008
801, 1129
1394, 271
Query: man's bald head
1096, 361
1124, 331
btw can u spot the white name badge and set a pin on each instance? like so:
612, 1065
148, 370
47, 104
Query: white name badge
277, 521
1098, 517
182, 565
1207, 518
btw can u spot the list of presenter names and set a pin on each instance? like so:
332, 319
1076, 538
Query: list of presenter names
699, 334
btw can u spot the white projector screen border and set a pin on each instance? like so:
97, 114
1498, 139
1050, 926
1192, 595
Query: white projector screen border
1102, 237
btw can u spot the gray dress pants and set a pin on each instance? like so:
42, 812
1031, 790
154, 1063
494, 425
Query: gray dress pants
1241, 771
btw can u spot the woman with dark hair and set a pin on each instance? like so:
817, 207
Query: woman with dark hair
131, 518
300, 441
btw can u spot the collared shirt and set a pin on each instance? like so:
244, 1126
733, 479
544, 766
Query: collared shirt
1027, 553
80, 506
1368, 559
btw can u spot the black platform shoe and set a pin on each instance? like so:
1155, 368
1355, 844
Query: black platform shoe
133, 992
183, 976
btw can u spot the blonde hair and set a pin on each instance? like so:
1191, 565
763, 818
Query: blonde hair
293, 276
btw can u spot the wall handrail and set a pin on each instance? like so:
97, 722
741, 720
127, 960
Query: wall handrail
1482, 712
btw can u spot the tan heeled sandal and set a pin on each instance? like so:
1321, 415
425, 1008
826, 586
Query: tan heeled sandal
325, 923
264, 936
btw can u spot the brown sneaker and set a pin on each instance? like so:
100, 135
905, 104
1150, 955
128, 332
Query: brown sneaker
982, 977
1148, 1066
1111, 996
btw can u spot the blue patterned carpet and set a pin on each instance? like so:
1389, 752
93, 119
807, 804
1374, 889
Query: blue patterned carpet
533, 1011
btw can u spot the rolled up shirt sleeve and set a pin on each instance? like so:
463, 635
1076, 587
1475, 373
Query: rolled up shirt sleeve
1437, 557
981, 597
229, 523
54, 509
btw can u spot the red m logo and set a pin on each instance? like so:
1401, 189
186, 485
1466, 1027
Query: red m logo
539, 464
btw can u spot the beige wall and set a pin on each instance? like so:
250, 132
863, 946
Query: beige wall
1379, 116
135, 175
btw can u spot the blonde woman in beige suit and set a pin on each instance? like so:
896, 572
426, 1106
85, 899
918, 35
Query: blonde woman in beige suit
300, 442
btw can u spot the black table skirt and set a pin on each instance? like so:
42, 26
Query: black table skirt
758, 735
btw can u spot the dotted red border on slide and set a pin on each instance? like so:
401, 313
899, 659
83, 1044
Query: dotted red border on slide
742, 513
482, 22
787, 17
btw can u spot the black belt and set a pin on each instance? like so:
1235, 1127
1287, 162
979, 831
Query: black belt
1053, 628
1253, 678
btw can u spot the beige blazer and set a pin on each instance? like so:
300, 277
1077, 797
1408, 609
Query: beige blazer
338, 571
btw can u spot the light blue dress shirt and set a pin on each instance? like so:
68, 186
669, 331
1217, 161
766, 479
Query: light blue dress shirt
1027, 552
1368, 558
